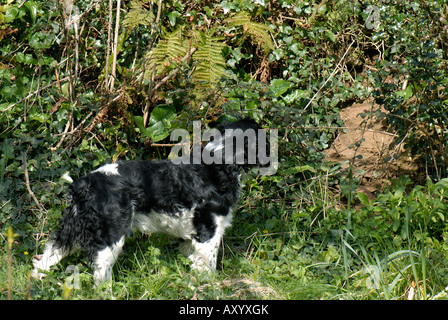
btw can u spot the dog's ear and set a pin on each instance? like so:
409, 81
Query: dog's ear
243, 124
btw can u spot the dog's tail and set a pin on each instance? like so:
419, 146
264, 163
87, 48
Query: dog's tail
66, 177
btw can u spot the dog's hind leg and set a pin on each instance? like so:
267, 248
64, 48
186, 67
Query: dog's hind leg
104, 260
51, 256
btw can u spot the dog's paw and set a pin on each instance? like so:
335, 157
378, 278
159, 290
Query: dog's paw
37, 263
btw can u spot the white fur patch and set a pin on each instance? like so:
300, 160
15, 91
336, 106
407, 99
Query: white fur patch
105, 260
50, 257
66, 177
108, 169
179, 225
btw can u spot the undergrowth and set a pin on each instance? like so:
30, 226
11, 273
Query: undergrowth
391, 247
77, 93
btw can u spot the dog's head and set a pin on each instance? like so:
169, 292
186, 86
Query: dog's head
242, 143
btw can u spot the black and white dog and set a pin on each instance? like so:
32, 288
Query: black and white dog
193, 202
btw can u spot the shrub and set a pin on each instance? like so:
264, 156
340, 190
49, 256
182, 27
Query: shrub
411, 82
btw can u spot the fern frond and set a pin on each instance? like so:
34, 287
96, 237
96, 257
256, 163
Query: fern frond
258, 32
138, 15
171, 48
211, 64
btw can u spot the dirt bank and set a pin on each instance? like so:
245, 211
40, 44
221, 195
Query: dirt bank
371, 147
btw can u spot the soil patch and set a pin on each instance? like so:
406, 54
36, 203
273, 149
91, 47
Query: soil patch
371, 147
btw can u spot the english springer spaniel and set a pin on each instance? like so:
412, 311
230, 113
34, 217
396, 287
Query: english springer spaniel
193, 202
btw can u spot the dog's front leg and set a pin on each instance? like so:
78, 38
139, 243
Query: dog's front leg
204, 254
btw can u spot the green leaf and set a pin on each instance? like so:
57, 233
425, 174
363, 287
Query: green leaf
294, 96
162, 113
138, 15
271, 223
258, 32
279, 87
11, 14
170, 48
40, 40
211, 64
38, 117
157, 131
330, 35
406, 94
363, 198
172, 17
396, 225
32, 7
160, 123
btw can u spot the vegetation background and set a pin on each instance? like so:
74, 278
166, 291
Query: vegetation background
88, 82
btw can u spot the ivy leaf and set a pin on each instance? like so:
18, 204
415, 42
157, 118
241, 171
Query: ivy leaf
406, 94
11, 14
279, 87
162, 113
158, 131
172, 17
294, 96
40, 41
143, 130
32, 7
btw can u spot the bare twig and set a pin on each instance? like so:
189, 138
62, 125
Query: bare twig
115, 51
28, 186
102, 112
159, 12
67, 127
56, 71
331, 75
352, 128
170, 144
109, 32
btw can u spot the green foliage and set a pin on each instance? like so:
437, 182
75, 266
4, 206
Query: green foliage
138, 15
159, 123
170, 49
411, 82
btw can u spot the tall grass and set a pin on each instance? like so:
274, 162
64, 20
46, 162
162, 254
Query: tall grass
404, 266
